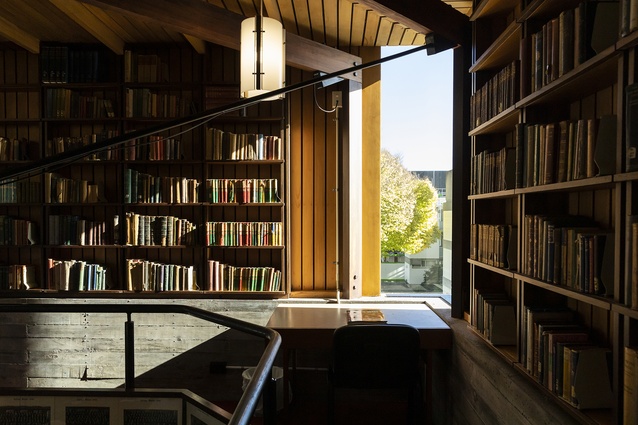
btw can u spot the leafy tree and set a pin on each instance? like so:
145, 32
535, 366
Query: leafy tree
408, 208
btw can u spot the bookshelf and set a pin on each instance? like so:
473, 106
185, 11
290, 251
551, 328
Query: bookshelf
550, 140
131, 221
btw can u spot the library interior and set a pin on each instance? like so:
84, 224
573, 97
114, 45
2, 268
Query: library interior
190, 210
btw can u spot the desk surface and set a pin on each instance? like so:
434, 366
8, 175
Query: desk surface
307, 325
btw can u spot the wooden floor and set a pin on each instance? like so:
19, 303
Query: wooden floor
309, 405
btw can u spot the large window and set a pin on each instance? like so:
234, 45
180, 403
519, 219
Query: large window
416, 128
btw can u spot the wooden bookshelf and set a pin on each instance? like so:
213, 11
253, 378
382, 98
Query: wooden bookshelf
83, 214
592, 88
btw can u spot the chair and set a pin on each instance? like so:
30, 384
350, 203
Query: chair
376, 357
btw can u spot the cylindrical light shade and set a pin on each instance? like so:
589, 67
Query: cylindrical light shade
262, 67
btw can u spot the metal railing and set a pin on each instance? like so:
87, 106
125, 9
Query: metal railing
261, 380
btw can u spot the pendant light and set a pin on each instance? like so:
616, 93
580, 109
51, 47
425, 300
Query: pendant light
262, 56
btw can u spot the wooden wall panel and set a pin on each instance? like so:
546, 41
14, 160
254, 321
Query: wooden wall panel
312, 200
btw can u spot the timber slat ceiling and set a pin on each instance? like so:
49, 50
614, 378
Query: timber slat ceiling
336, 23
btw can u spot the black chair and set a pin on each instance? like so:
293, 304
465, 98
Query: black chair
376, 357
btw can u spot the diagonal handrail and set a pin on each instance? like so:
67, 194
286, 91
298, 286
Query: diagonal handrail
263, 371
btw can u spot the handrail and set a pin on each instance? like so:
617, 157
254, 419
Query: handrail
263, 371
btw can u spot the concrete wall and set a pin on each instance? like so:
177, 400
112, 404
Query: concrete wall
473, 385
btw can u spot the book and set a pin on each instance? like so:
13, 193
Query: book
631, 128
633, 255
630, 385
365, 316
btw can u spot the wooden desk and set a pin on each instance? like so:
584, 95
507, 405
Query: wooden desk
311, 326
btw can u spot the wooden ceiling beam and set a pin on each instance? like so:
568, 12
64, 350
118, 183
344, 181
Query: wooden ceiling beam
208, 22
83, 16
196, 43
20, 37
424, 16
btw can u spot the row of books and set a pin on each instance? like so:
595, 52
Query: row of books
499, 93
225, 145
631, 127
569, 250
145, 103
17, 232
145, 188
61, 144
560, 354
494, 317
12, 149
217, 96
224, 277
568, 40
71, 64
493, 171
153, 148
26, 191
76, 230
70, 104
159, 230
243, 191
494, 245
144, 275
631, 265
630, 382
61, 190
17, 276
560, 152
77, 275
144, 68
231, 233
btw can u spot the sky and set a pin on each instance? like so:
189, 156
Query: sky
416, 109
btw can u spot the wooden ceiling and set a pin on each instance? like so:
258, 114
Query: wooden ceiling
311, 25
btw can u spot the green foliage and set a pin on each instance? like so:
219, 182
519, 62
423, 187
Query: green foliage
408, 208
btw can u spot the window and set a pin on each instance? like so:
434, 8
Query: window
416, 127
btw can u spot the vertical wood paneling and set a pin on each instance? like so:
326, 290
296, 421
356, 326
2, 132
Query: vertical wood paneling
321, 124
312, 180
307, 194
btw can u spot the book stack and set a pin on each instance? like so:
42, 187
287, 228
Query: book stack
12, 149
75, 230
490, 244
568, 40
495, 96
145, 103
570, 251
153, 148
242, 191
495, 317
152, 230
17, 232
228, 146
76, 275
225, 277
229, 233
21, 191
144, 68
57, 145
17, 276
64, 64
145, 188
217, 96
557, 152
561, 356
61, 190
144, 275
69, 104
493, 171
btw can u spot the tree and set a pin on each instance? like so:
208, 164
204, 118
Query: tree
408, 208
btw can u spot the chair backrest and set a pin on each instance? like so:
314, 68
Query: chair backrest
375, 356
